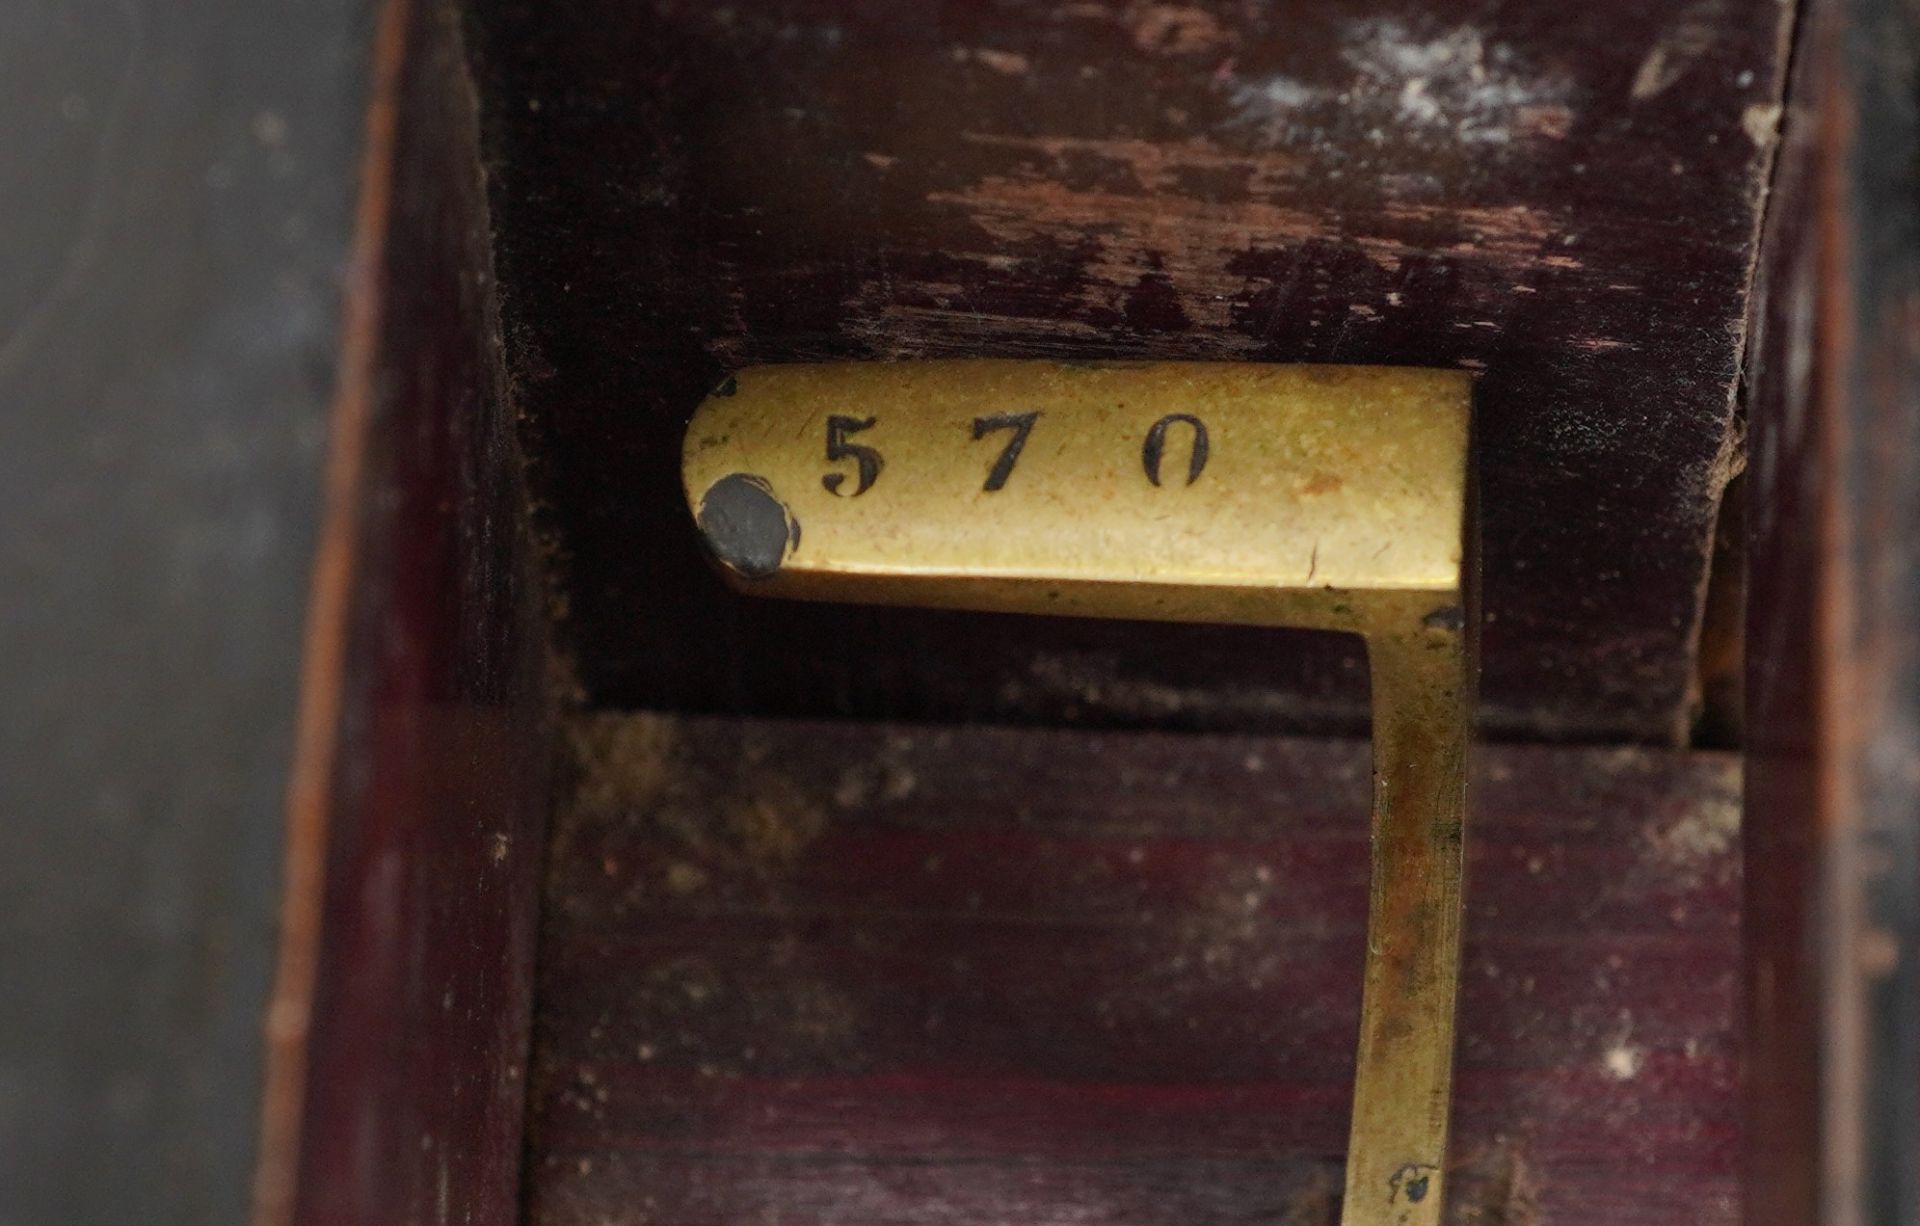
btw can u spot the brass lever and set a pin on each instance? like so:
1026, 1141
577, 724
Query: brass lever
1328, 497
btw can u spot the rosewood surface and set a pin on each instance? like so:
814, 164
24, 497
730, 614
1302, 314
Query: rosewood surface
1833, 828
846, 973
398, 1034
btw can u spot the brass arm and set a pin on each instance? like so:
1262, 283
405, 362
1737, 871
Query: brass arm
1327, 497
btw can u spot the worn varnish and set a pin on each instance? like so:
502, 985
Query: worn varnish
839, 973
396, 1079
1562, 199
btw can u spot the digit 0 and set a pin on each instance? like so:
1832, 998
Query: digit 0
1156, 446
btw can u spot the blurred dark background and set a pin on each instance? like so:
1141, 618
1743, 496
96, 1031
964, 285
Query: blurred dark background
176, 198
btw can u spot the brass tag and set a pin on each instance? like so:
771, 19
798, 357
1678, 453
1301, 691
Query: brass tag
1321, 496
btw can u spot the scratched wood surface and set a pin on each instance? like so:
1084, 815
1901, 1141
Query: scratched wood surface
847, 973
1561, 198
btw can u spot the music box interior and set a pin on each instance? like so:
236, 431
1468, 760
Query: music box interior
678, 905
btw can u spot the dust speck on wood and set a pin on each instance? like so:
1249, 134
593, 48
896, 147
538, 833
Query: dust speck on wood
728, 809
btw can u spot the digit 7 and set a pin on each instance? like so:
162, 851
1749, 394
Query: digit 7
1022, 425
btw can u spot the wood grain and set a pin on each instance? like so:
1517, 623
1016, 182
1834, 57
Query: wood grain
838, 973
396, 1079
1562, 200
1832, 838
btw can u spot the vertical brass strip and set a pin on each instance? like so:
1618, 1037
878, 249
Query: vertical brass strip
1396, 1151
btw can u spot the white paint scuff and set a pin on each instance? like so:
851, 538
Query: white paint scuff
1452, 87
